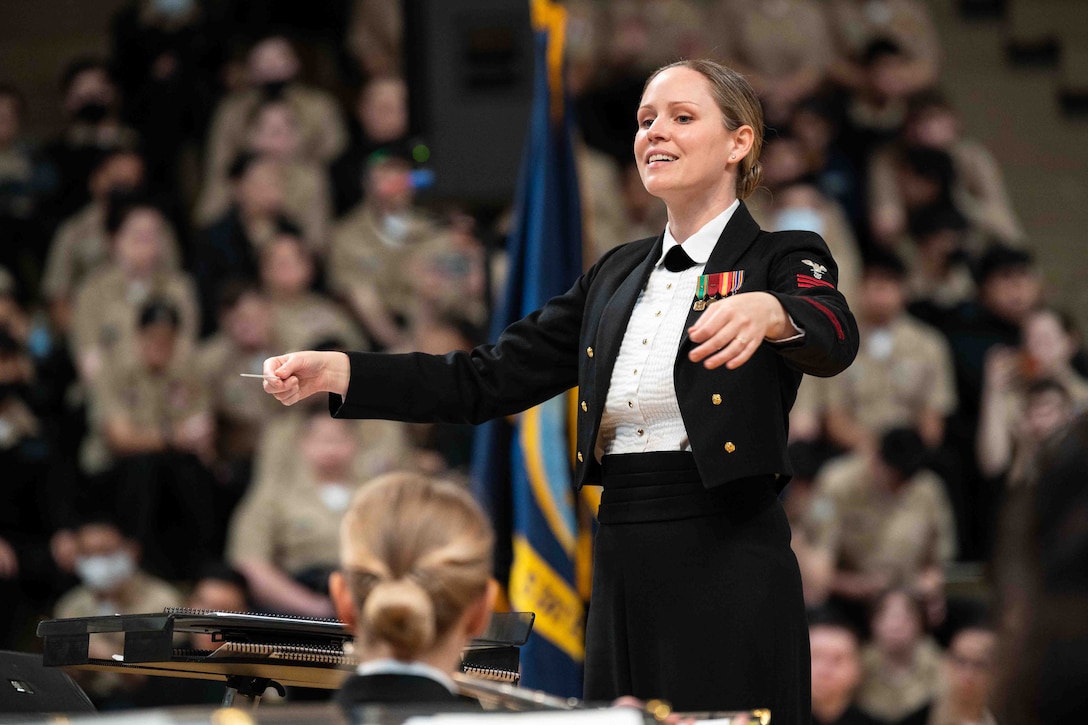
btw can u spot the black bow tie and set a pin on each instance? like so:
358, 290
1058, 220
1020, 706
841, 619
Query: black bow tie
677, 260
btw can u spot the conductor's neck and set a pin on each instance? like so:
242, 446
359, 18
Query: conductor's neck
691, 212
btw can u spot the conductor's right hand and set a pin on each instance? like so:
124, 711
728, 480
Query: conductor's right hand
299, 375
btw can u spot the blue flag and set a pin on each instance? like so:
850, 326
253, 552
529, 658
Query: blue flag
522, 472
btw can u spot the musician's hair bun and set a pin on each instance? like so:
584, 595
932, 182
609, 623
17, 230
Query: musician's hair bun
401, 614
416, 554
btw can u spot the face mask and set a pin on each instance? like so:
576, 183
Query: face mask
274, 89
173, 8
799, 218
335, 496
92, 112
395, 226
104, 573
878, 344
12, 390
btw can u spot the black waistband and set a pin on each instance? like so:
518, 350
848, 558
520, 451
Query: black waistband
664, 486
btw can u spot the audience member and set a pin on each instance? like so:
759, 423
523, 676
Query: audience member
301, 318
906, 23
901, 666
284, 538
217, 587
903, 374
81, 244
939, 280
979, 190
903, 182
152, 437
447, 275
875, 112
784, 47
92, 107
273, 70
273, 132
108, 301
1027, 395
836, 670
883, 520
968, 671
229, 247
241, 408
817, 125
112, 582
381, 119
1009, 289
370, 248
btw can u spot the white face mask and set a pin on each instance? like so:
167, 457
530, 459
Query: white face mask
103, 573
173, 8
799, 218
878, 343
395, 226
335, 496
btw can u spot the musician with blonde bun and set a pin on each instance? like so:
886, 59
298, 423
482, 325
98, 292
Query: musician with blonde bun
415, 584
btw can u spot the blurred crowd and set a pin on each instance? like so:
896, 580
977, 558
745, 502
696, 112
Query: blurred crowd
239, 179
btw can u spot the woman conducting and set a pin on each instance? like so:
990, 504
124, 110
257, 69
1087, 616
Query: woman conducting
687, 350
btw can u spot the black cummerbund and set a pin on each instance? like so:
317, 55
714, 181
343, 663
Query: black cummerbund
665, 486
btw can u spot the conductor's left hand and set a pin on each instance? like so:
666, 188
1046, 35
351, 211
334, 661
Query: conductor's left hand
731, 330
301, 374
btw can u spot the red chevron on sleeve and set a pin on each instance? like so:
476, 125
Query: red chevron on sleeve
805, 281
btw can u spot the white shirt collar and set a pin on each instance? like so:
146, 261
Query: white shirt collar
700, 244
392, 666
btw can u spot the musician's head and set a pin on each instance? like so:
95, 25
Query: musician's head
415, 580
700, 132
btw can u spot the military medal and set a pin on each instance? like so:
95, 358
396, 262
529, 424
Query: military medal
713, 287
700, 295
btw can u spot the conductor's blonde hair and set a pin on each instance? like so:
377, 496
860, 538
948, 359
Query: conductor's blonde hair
416, 553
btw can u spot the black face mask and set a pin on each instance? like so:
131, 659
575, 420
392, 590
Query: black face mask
12, 390
273, 90
958, 256
93, 112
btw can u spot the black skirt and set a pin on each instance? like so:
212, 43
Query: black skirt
696, 593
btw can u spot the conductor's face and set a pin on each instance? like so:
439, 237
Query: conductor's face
682, 146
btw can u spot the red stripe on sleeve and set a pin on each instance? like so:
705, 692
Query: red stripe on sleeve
830, 315
804, 280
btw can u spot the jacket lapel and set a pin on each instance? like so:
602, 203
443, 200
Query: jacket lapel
617, 313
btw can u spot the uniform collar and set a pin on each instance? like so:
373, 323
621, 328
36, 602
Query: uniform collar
390, 666
700, 244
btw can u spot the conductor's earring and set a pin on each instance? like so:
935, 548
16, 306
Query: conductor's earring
733, 157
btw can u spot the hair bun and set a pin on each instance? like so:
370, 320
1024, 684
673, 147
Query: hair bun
400, 612
750, 180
